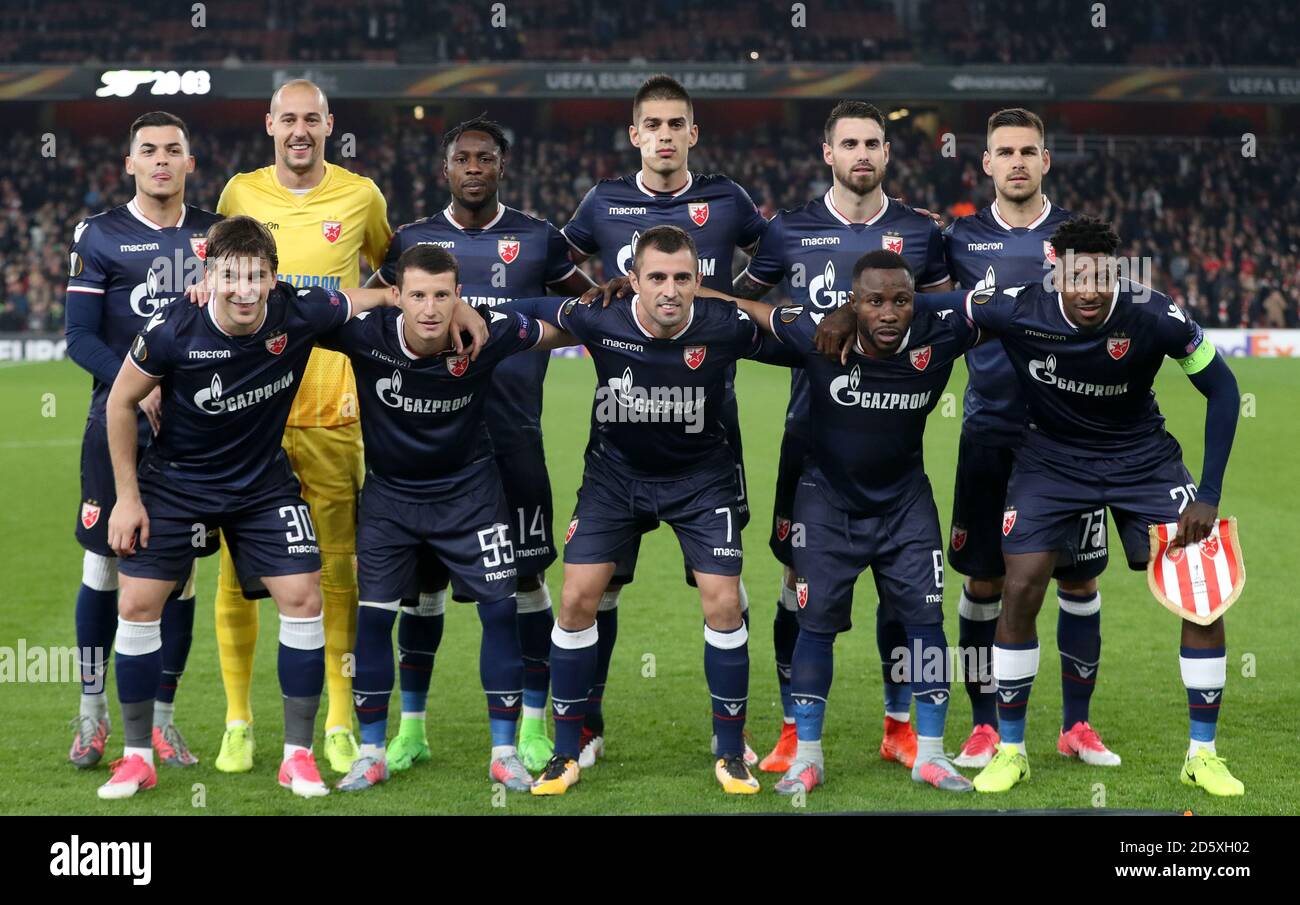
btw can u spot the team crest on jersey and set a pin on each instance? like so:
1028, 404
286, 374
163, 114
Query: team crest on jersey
694, 356
275, 344
573, 526
199, 245
89, 514
332, 229
1049, 253
1117, 345
920, 357
782, 528
458, 364
958, 537
801, 593
699, 211
892, 242
1008, 521
508, 249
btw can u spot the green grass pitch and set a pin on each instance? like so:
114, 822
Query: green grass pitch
657, 706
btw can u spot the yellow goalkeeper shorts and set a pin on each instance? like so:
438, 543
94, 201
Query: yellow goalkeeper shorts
329, 461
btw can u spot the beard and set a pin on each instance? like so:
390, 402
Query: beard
863, 184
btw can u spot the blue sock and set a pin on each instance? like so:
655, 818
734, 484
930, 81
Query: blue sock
1078, 636
96, 618
535, 643
785, 632
607, 625
927, 648
418, 638
139, 669
177, 636
573, 670
976, 624
1014, 668
811, 669
501, 668
372, 686
1204, 676
726, 668
892, 637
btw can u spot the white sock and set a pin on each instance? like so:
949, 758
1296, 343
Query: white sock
500, 751
928, 747
146, 753
290, 749
413, 715
163, 713
95, 706
375, 751
787, 720
236, 724
810, 752
534, 713
904, 717
1192, 748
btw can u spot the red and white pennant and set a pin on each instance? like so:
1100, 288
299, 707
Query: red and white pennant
1199, 581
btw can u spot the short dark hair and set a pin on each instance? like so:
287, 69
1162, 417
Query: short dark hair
667, 239
1017, 117
1085, 235
882, 259
661, 87
156, 118
852, 110
241, 237
431, 259
480, 123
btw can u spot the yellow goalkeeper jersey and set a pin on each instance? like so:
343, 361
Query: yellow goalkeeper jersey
319, 236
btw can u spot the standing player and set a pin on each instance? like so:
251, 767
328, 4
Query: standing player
658, 451
720, 217
1086, 357
813, 249
864, 500
432, 482
501, 254
126, 264
323, 218
228, 373
1007, 244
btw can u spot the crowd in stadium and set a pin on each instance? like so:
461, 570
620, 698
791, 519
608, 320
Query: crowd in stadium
1160, 32
1221, 231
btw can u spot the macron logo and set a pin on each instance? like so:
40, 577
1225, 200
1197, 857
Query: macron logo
733, 709
1085, 671
103, 859
359, 700
510, 700
561, 709
1007, 696
1210, 696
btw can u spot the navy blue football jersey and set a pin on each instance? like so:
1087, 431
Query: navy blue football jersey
515, 256
1089, 391
811, 251
658, 403
983, 251
131, 267
868, 416
422, 418
226, 398
718, 214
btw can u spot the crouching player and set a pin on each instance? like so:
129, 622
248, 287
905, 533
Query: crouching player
432, 482
228, 371
658, 452
864, 500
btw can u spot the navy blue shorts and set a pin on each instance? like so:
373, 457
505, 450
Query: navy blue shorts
978, 502
98, 492
903, 549
270, 532
614, 510
532, 515
466, 527
1047, 492
625, 560
794, 450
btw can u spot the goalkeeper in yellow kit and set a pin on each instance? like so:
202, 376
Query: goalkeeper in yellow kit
323, 218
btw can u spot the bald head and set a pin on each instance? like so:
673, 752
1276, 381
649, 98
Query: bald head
300, 121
